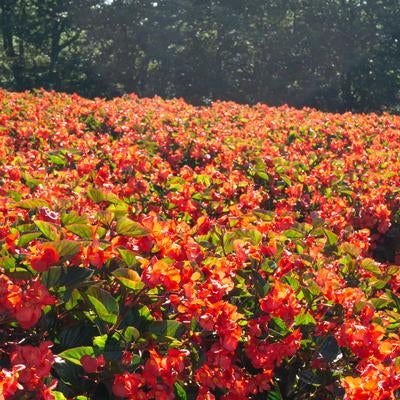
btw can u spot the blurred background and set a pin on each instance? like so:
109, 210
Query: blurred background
335, 55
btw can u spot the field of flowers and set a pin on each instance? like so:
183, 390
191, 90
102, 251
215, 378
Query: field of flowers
150, 249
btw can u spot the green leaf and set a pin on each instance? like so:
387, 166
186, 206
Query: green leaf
98, 196
7, 261
26, 228
129, 278
12, 194
113, 348
66, 248
397, 362
19, 273
129, 257
74, 335
52, 277
180, 392
286, 179
137, 317
274, 395
250, 235
313, 287
118, 210
100, 341
101, 232
206, 180
262, 175
48, 229
27, 238
293, 234
82, 230
70, 378
379, 283
30, 181
304, 319
279, 326
307, 295
264, 215
393, 270
260, 284
380, 304
167, 328
370, 265
131, 334
73, 217
228, 240
30, 204
76, 276
57, 160
394, 326
106, 217
136, 359
112, 198
293, 282
70, 277
73, 299
104, 304
330, 350
350, 249
75, 354
309, 377
332, 237
395, 298
58, 395
95, 194
127, 227
317, 232
254, 235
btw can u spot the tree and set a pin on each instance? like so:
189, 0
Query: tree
335, 55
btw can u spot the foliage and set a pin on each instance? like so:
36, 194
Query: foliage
335, 55
150, 249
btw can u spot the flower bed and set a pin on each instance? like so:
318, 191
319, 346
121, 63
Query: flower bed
154, 250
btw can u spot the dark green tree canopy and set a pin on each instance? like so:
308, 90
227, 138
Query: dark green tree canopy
335, 55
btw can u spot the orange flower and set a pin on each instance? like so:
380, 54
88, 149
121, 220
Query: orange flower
161, 272
9, 381
10, 294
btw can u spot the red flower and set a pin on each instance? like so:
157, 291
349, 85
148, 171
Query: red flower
33, 300
47, 257
281, 302
45, 214
127, 385
205, 394
46, 392
127, 358
37, 361
92, 364
27, 315
96, 257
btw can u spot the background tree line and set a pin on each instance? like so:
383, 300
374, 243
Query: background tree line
335, 55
